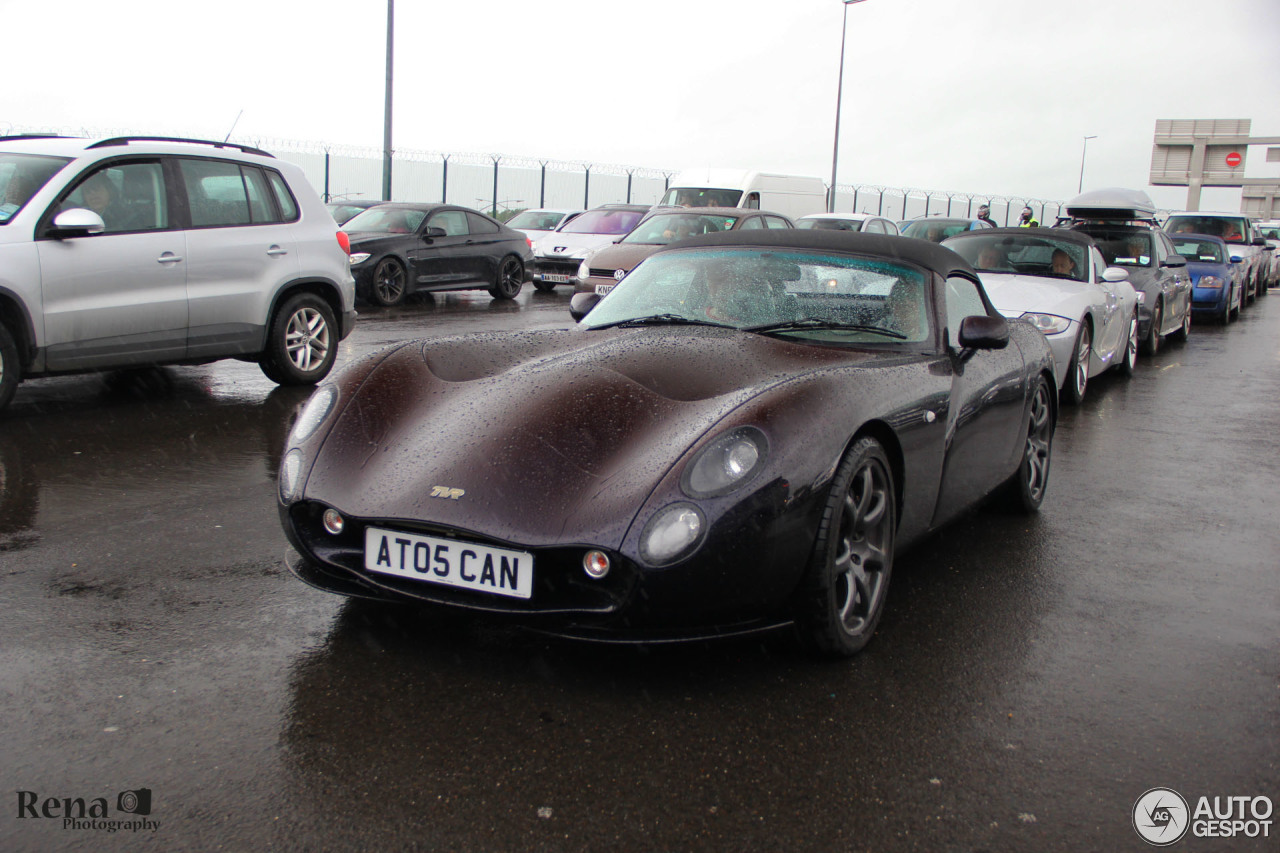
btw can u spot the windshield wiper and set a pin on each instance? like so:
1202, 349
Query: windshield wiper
660, 320
815, 323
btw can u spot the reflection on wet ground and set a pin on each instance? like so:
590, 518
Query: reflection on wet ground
1030, 679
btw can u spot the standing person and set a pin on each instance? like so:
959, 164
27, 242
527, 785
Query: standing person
1027, 219
984, 213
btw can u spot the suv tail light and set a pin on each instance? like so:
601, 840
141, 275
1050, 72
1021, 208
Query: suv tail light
344, 241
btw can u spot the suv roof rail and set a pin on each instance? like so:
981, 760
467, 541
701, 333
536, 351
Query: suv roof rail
125, 140
35, 136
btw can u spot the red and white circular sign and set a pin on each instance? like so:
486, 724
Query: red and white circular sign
1234, 159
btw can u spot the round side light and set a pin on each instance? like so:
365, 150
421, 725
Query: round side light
595, 564
333, 522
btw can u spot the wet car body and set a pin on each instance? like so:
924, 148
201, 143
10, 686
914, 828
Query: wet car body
399, 249
1217, 291
606, 266
564, 445
1090, 319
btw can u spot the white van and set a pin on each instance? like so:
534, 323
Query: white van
793, 195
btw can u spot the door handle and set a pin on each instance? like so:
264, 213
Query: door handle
276, 251
169, 258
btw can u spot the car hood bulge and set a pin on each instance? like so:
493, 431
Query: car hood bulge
553, 437
1015, 295
557, 243
623, 256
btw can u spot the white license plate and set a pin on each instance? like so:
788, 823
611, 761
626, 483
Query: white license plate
449, 562
603, 289
556, 277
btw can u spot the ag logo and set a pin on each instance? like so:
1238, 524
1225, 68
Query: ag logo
618, 274
446, 492
1161, 817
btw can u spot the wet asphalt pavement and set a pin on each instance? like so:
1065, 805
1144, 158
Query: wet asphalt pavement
1031, 678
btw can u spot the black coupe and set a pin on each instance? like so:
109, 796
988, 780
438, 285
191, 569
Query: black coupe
740, 436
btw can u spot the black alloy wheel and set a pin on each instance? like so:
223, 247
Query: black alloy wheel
1130, 360
1151, 345
1078, 370
10, 367
302, 343
1027, 487
510, 279
842, 597
388, 283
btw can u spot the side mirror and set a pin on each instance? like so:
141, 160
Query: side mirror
1258, 241
1115, 274
1174, 261
581, 304
434, 231
76, 222
1268, 247
983, 332
1236, 259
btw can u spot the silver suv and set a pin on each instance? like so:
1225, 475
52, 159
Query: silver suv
138, 251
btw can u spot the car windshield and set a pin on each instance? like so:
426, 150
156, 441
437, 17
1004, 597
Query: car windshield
1034, 253
663, 228
830, 224
386, 220
811, 295
603, 222
937, 230
1123, 247
536, 220
1229, 228
701, 197
21, 177
1199, 250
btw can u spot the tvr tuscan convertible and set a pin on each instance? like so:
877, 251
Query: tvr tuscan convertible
740, 436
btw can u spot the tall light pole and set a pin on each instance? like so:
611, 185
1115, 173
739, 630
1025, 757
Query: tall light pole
386, 109
1083, 150
835, 148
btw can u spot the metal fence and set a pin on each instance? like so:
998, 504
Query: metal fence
500, 182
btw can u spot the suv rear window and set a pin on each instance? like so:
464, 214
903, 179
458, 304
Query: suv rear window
21, 177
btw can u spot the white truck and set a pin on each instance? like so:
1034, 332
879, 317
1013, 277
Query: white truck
790, 195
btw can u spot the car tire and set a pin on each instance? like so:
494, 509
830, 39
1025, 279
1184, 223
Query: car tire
843, 593
389, 283
1078, 375
10, 367
1184, 331
1026, 488
1227, 313
302, 341
1151, 345
510, 279
544, 286
1129, 361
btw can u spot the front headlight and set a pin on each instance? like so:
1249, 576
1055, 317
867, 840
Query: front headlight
726, 463
1212, 282
358, 258
313, 414
671, 534
290, 476
584, 271
1049, 324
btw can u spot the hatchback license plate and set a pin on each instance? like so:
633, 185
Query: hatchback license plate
603, 289
556, 277
449, 561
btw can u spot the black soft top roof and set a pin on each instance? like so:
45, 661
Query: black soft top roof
921, 253
1051, 235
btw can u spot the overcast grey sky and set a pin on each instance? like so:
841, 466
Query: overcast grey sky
988, 96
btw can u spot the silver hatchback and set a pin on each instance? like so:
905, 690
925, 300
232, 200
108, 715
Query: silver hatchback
137, 251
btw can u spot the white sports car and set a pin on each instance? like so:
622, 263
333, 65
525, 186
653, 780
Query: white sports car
1059, 282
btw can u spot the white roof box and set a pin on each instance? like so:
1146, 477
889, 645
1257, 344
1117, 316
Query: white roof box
1112, 203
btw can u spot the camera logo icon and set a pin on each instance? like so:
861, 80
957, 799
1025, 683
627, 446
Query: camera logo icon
1161, 817
137, 801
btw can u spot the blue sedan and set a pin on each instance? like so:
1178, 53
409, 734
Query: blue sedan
1217, 289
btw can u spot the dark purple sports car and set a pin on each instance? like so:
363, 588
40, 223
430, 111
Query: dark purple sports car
739, 436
